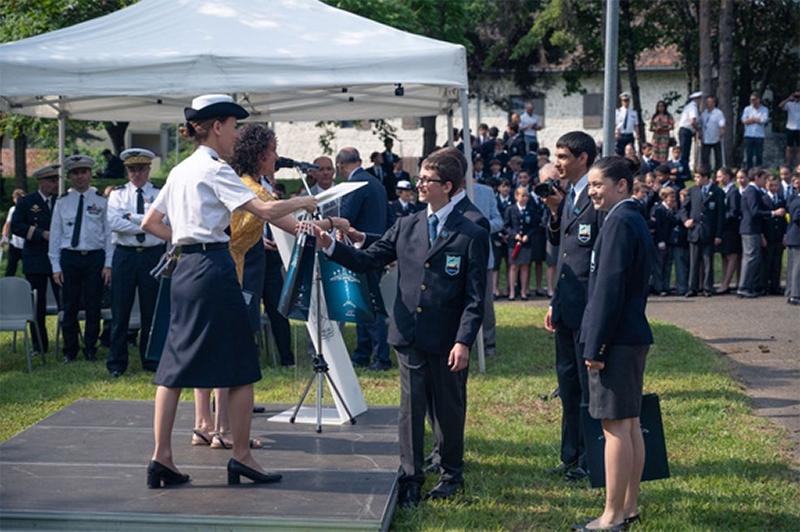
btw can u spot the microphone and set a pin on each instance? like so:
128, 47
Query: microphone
285, 162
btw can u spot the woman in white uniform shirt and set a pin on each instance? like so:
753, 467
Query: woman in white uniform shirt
210, 344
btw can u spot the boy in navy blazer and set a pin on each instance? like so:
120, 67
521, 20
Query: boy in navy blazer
703, 215
441, 259
574, 225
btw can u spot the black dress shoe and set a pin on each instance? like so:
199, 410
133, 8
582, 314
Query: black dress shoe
410, 495
158, 474
707, 294
793, 300
575, 474
432, 468
380, 366
690, 293
632, 519
69, 360
236, 469
561, 468
115, 374
445, 489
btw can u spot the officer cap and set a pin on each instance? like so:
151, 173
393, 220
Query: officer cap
214, 106
137, 157
47, 172
697, 94
625, 95
404, 184
74, 162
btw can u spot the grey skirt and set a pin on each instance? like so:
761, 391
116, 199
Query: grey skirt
615, 392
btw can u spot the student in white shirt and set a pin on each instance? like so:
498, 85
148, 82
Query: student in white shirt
712, 127
754, 118
529, 125
792, 107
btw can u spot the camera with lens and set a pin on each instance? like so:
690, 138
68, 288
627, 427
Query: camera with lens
547, 188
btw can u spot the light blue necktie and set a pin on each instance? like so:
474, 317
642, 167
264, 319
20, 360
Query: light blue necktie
433, 222
571, 199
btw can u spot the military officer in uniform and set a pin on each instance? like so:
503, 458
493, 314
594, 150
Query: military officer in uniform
441, 259
574, 226
136, 253
31, 221
80, 254
703, 215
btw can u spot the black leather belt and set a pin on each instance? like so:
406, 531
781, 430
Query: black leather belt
139, 249
198, 248
81, 252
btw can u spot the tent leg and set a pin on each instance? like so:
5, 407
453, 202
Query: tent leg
463, 97
450, 140
62, 139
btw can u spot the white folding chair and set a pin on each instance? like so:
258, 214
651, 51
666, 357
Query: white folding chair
17, 309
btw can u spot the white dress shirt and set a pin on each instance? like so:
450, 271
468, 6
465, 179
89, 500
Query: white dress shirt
711, 123
793, 115
688, 114
200, 194
95, 233
528, 123
633, 120
125, 223
755, 130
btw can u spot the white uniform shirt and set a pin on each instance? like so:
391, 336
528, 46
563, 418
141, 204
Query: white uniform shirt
688, 114
793, 115
122, 202
16, 241
755, 130
711, 122
633, 120
200, 194
95, 232
526, 121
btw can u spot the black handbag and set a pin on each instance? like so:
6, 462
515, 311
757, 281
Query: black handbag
656, 465
159, 326
295, 298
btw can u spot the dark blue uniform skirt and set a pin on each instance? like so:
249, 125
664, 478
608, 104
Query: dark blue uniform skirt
210, 343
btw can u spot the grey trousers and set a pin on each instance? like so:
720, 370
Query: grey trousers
751, 263
793, 272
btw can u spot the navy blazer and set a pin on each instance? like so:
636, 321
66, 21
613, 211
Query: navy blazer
733, 209
755, 211
441, 289
521, 223
776, 226
31, 219
576, 233
792, 238
619, 284
472, 213
708, 213
366, 208
663, 222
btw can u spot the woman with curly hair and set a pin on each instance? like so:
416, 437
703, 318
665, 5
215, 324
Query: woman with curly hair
661, 125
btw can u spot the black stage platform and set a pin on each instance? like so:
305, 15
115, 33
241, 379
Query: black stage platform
83, 468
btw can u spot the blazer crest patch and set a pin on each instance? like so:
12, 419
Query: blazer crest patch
584, 233
452, 265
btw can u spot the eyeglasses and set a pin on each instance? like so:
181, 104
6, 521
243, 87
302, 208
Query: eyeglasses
424, 181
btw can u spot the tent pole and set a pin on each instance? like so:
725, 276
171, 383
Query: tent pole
62, 140
468, 179
450, 128
610, 76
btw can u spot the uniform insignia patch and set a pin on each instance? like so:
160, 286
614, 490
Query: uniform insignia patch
452, 265
94, 210
35, 208
584, 233
712, 205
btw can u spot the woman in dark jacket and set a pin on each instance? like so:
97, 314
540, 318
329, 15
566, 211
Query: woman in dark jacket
520, 223
616, 336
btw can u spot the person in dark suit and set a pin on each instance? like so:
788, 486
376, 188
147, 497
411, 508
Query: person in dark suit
731, 246
756, 211
31, 221
680, 251
774, 230
616, 337
792, 241
574, 226
663, 220
367, 211
500, 239
441, 259
703, 215
520, 221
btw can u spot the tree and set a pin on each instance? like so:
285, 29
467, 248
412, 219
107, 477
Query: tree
706, 57
725, 82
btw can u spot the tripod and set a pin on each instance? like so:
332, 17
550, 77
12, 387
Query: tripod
320, 367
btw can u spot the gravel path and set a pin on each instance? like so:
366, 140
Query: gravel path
761, 339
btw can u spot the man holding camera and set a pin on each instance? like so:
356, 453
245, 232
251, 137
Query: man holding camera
792, 107
574, 226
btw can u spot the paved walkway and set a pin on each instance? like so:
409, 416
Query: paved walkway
760, 337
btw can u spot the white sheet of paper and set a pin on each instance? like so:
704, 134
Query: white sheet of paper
338, 191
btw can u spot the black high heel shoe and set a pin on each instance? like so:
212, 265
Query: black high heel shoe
237, 469
158, 473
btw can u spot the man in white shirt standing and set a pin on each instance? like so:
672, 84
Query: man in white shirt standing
792, 107
529, 125
688, 126
754, 118
627, 120
712, 123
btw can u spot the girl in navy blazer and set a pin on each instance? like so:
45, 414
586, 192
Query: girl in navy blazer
521, 222
616, 336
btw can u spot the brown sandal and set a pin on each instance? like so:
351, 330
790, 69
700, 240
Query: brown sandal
218, 442
201, 437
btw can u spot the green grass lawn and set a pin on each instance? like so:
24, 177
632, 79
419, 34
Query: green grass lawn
730, 468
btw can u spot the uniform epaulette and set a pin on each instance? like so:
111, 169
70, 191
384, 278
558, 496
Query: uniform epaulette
119, 187
215, 157
99, 193
64, 195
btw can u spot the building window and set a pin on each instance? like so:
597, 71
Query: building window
410, 122
518, 106
592, 111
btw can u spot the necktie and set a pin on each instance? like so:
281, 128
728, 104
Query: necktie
51, 203
76, 229
433, 222
139, 210
571, 199
625, 122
